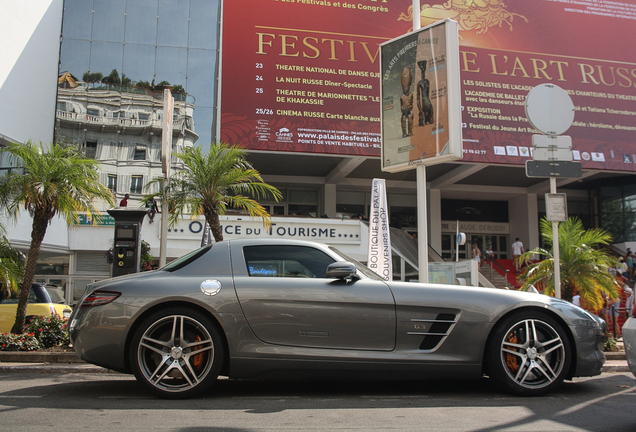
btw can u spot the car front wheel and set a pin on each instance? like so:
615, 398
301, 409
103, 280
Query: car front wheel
176, 353
528, 354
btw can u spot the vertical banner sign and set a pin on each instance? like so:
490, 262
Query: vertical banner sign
379, 256
166, 133
420, 90
206, 238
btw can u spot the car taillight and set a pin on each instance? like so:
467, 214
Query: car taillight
100, 298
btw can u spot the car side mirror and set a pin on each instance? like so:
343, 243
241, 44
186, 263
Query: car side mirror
341, 270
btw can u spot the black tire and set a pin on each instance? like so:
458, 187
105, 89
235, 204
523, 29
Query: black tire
177, 353
528, 354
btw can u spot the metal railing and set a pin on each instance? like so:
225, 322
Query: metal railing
117, 121
493, 263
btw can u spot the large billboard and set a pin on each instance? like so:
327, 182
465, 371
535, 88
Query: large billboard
420, 93
303, 75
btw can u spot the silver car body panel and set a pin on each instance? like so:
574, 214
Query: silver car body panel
629, 339
278, 325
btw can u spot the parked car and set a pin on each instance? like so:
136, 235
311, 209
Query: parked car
629, 336
43, 300
285, 308
629, 340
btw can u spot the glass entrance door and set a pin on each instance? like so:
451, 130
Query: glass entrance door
499, 244
449, 247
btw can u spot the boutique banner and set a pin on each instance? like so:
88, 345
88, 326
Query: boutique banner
379, 256
303, 75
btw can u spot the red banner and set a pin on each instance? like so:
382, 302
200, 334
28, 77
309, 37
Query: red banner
303, 75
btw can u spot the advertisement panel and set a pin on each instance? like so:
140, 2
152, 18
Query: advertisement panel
303, 75
420, 94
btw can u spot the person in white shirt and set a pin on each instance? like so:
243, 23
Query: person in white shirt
517, 251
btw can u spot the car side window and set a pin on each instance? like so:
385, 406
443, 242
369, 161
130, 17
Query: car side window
12, 298
286, 261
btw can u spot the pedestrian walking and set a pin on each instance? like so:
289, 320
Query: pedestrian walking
517, 251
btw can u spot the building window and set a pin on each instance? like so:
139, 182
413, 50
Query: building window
112, 182
140, 153
136, 184
90, 149
350, 204
303, 203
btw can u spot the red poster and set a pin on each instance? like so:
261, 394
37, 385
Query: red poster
303, 75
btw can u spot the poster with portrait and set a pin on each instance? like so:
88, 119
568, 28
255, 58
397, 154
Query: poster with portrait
420, 93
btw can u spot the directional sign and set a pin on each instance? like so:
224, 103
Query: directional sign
548, 141
563, 169
552, 154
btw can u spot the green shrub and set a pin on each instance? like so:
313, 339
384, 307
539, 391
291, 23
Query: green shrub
50, 330
610, 344
19, 342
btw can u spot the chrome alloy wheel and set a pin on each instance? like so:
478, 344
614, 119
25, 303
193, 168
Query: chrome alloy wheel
175, 354
533, 354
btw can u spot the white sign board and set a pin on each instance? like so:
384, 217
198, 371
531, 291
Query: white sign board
379, 256
556, 207
166, 135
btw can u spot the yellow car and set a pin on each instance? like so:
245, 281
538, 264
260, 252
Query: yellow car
43, 300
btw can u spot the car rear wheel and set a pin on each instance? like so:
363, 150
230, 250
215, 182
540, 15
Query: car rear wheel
528, 354
177, 353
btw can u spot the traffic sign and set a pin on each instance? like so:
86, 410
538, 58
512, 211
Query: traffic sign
547, 141
563, 169
556, 207
550, 109
552, 154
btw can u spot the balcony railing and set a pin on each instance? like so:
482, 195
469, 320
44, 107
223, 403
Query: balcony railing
116, 121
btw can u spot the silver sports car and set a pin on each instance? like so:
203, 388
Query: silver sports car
283, 308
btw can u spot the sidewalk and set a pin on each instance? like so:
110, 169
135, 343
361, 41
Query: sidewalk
45, 362
68, 362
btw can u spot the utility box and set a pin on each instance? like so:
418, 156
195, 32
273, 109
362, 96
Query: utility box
127, 242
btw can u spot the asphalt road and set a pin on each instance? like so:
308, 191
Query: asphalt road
105, 402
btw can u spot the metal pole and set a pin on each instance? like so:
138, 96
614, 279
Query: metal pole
164, 224
555, 247
457, 242
417, 23
422, 222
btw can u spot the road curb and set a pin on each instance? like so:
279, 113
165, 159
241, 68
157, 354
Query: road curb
53, 368
38, 357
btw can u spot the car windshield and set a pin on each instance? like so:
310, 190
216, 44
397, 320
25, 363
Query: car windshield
361, 268
56, 294
186, 259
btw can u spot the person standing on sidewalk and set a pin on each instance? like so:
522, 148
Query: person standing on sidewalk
517, 251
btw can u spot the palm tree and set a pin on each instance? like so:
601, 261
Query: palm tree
585, 269
11, 265
57, 181
209, 184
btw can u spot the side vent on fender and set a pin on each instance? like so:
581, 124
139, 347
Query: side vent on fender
437, 330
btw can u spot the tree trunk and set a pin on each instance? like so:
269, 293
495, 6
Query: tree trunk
212, 216
567, 292
38, 231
